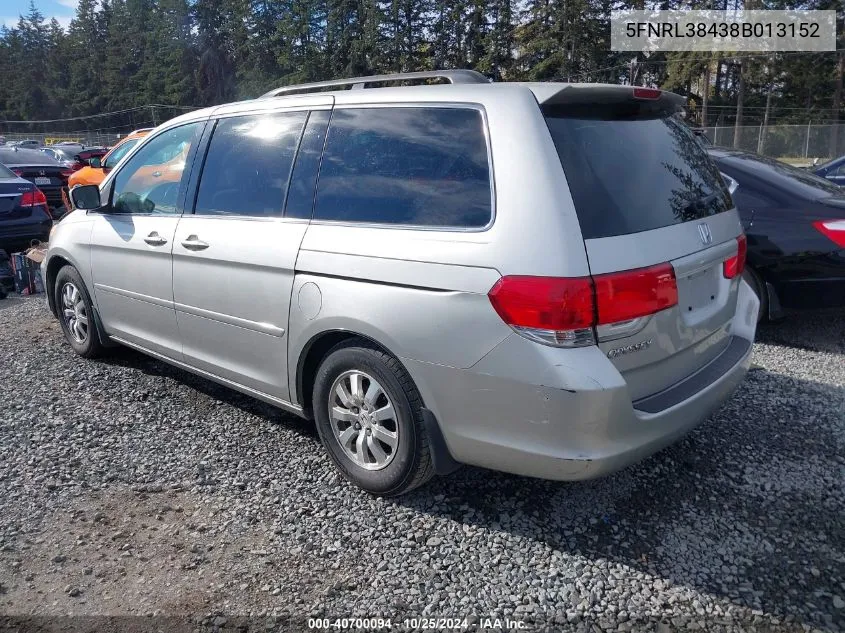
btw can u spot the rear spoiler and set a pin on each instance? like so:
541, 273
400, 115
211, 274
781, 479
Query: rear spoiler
645, 101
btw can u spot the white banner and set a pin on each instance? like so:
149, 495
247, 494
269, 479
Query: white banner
731, 31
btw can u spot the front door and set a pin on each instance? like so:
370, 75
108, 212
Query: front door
131, 244
233, 259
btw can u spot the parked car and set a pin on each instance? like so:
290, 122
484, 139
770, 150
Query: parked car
74, 160
23, 212
44, 171
99, 166
65, 157
27, 144
795, 222
543, 279
833, 170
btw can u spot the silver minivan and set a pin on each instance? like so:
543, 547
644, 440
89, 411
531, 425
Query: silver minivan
538, 278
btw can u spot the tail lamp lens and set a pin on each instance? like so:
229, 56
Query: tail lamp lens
33, 198
734, 266
563, 311
834, 230
635, 293
547, 303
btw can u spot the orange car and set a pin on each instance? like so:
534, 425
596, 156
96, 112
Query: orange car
94, 174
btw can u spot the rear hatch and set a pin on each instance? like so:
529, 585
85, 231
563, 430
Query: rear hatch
648, 199
43, 171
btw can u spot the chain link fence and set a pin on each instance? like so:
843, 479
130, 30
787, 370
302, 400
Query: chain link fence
783, 141
806, 141
100, 129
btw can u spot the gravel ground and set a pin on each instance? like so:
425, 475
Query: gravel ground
132, 488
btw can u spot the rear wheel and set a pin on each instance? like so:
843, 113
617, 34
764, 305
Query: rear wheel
759, 288
369, 417
76, 313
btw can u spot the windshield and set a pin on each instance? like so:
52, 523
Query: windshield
628, 175
119, 152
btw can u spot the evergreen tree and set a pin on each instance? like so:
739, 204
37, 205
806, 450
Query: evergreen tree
126, 54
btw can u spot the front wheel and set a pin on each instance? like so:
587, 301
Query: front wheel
369, 417
76, 313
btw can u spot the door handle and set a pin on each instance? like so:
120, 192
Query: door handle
154, 239
156, 174
193, 243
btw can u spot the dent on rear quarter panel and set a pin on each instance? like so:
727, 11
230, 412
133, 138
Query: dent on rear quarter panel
451, 327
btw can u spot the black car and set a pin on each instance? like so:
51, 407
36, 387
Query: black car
23, 212
834, 171
44, 171
795, 223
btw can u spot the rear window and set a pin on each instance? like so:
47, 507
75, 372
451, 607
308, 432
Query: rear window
6, 173
628, 175
799, 182
406, 166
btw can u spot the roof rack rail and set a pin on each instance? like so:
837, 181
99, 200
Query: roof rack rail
142, 129
452, 76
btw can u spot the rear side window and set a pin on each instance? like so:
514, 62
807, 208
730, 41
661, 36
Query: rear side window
6, 173
406, 166
301, 191
248, 164
628, 175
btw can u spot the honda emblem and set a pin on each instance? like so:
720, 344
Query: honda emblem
704, 233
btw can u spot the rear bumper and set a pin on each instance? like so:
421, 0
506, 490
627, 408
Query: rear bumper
19, 237
818, 281
811, 294
567, 414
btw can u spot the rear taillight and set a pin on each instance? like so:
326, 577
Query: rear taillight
33, 198
65, 173
834, 230
18, 172
734, 266
647, 93
635, 293
564, 311
545, 303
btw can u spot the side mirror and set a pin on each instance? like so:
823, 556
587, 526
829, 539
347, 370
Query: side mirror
95, 162
85, 197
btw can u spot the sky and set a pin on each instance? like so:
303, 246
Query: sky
62, 10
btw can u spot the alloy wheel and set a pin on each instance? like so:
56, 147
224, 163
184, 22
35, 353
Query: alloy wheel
75, 313
363, 420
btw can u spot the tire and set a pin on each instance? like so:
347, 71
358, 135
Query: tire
76, 313
389, 453
759, 288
